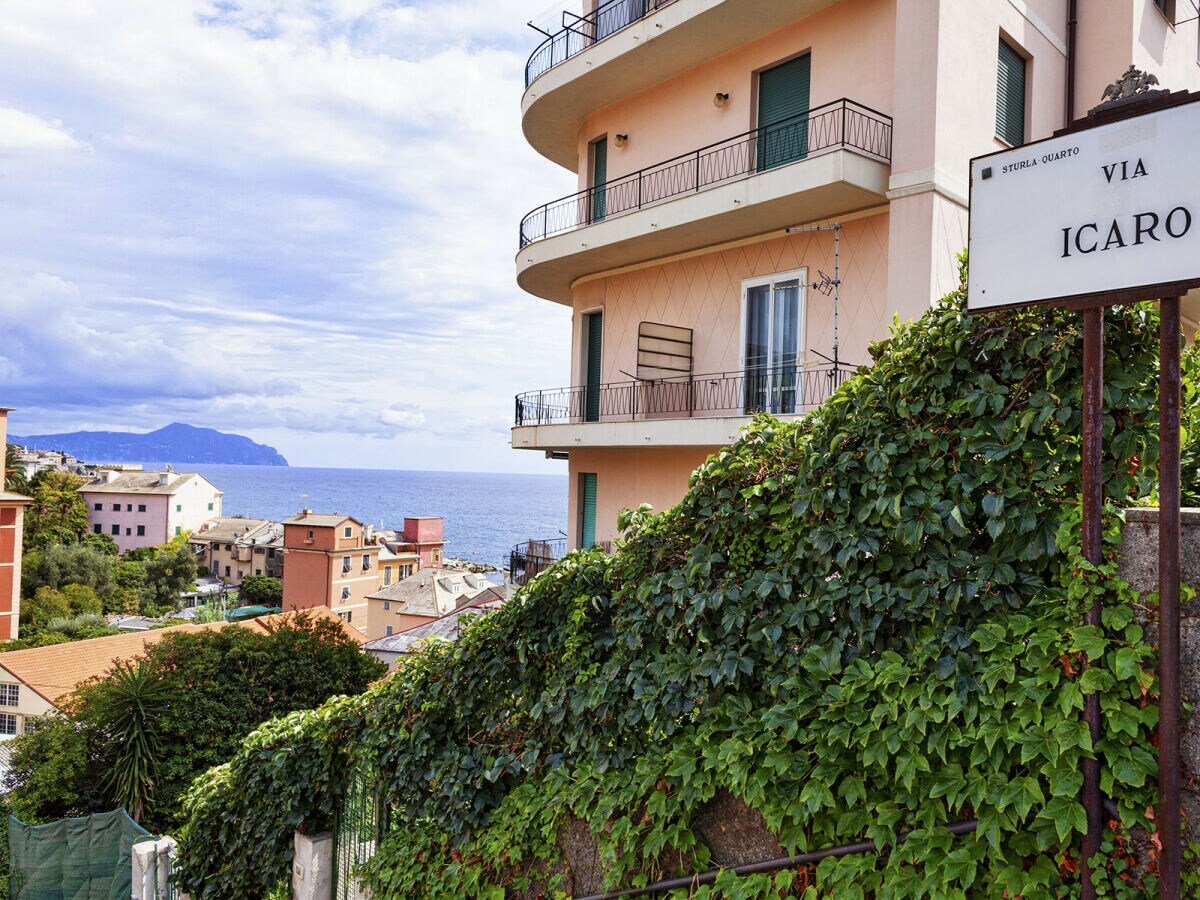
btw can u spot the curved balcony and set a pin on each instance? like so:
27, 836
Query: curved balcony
830, 161
625, 46
692, 410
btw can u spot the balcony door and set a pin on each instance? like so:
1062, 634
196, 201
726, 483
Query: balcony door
773, 325
783, 113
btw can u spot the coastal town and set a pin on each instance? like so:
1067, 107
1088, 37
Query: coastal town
879, 325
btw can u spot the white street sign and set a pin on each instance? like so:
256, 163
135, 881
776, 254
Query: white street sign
1102, 210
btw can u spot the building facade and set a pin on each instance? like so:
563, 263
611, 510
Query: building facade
145, 509
718, 143
419, 599
328, 562
12, 531
230, 548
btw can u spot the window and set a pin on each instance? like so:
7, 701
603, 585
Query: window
141, 531
116, 507
229, 546
258, 571
270, 553
128, 532
345, 593
210, 506
178, 507
389, 631
405, 571
178, 530
98, 506
387, 604
141, 507
599, 160
10, 695
387, 575
310, 535
227, 571
1167, 8
366, 562
345, 565
1010, 95
349, 532
773, 335
96, 528
349, 615
8, 723
116, 529
128, 507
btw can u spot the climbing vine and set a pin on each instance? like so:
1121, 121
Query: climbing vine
866, 623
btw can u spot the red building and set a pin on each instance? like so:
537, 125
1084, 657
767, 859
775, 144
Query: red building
328, 562
12, 524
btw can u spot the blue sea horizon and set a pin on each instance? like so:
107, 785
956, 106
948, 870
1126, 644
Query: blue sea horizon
485, 513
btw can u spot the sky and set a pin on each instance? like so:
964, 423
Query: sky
290, 219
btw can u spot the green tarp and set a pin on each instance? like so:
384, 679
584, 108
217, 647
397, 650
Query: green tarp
73, 859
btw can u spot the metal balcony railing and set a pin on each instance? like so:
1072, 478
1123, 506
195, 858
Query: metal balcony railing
842, 124
580, 32
780, 391
530, 558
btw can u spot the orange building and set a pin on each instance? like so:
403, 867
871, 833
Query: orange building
12, 524
328, 562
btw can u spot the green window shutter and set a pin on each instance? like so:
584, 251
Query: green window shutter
595, 343
783, 112
587, 510
1010, 96
599, 178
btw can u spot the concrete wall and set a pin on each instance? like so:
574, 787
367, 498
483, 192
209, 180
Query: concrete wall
1139, 566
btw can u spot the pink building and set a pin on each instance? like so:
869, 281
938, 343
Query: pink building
328, 562
12, 524
710, 136
144, 509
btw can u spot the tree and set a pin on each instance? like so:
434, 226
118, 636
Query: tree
14, 476
170, 572
57, 565
260, 589
129, 715
221, 684
58, 514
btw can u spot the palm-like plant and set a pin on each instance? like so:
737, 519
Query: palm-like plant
128, 711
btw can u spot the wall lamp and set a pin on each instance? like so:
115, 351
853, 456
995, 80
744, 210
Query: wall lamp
621, 139
720, 99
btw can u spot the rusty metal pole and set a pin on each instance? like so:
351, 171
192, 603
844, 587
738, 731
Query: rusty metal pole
1168, 599
1093, 506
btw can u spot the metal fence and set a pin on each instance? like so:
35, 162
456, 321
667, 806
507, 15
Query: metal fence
530, 558
580, 32
842, 124
359, 825
779, 391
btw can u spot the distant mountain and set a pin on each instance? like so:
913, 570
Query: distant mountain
177, 443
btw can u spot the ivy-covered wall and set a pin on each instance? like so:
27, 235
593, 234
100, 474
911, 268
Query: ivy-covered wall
867, 623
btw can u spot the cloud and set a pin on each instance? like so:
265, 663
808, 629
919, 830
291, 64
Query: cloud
24, 131
279, 214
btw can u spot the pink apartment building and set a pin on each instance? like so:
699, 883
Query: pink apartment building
328, 562
706, 133
145, 509
12, 523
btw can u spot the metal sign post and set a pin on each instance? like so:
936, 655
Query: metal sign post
1107, 211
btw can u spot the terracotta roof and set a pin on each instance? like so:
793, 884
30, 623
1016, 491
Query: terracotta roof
142, 483
55, 671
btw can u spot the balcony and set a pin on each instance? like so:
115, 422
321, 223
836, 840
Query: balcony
597, 57
833, 160
529, 559
695, 410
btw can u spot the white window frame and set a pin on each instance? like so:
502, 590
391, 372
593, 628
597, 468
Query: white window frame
5, 730
10, 695
799, 275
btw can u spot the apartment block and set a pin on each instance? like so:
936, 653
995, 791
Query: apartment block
12, 530
232, 547
763, 186
328, 562
145, 509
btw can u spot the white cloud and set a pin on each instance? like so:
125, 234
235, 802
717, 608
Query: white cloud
21, 130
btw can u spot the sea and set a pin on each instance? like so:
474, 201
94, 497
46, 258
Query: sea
484, 513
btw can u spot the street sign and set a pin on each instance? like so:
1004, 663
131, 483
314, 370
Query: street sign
1098, 211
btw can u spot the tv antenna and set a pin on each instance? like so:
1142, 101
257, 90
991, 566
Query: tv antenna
827, 285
